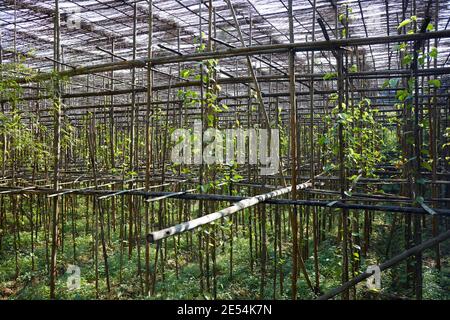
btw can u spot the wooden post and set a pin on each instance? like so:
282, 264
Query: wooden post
148, 141
56, 148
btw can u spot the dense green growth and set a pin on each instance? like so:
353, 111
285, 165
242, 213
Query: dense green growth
32, 281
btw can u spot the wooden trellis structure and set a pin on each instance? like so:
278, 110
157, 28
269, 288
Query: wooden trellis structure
101, 85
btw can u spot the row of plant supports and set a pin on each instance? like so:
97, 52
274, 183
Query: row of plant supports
114, 157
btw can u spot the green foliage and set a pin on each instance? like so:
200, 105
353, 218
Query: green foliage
391, 83
330, 75
433, 53
446, 145
404, 23
435, 83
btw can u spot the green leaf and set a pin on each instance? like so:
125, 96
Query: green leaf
402, 46
393, 82
433, 53
426, 165
185, 73
402, 95
322, 140
404, 23
237, 177
330, 75
204, 187
407, 59
435, 83
210, 119
421, 60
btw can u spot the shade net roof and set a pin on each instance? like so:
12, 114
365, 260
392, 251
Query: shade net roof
91, 29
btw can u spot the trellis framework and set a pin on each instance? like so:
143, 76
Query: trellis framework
115, 81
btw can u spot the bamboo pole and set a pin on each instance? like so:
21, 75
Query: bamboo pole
254, 50
250, 67
148, 142
153, 237
293, 150
388, 264
56, 151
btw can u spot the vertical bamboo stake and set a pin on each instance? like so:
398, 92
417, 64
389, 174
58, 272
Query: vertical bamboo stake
148, 143
56, 148
417, 190
434, 130
201, 169
97, 204
342, 178
112, 138
3, 135
311, 168
293, 139
250, 67
132, 136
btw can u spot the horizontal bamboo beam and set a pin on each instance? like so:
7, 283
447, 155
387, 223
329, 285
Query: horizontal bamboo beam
238, 206
192, 84
301, 46
235, 52
216, 197
388, 264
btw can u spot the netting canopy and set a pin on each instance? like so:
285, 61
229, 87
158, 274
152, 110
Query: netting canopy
312, 132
